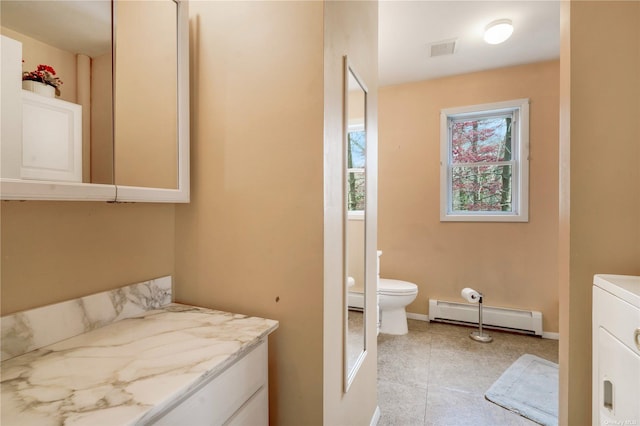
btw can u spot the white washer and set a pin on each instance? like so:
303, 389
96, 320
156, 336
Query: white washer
616, 350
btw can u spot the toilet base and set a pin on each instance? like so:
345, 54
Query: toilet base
393, 321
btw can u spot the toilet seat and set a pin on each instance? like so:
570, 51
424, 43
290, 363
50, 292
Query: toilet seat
391, 287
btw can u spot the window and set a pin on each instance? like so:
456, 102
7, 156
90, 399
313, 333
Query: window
356, 138
484, 152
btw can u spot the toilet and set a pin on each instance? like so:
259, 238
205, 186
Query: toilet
393, 298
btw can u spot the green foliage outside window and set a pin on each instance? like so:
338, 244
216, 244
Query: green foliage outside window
355, 170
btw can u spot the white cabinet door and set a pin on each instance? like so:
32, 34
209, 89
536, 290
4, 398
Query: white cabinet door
618, 382
51, 139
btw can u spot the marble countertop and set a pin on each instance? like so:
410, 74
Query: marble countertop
128, 371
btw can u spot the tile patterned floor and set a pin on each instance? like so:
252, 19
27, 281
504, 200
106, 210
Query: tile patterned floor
436, 375
355, 337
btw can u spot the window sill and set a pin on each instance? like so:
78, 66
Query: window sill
355, 215
483, 218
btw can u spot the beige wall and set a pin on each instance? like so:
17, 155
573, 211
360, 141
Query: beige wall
101, 122
251, 239
355, 252
55, 251
519, 268
600, 179
83, 98
356, 106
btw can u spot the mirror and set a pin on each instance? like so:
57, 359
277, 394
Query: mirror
119, 136
145, 95
355, 147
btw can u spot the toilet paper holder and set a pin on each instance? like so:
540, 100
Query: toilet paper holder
474, 296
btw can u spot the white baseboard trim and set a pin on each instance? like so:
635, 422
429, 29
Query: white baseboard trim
421, 317
376, 417
356, 299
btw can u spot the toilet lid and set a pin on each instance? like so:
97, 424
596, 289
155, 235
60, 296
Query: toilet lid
389, 286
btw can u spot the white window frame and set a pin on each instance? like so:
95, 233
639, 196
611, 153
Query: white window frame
520, 158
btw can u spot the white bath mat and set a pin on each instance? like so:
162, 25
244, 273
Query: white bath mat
530, 388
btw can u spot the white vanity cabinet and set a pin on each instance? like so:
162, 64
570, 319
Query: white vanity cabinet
239, 396
616, 350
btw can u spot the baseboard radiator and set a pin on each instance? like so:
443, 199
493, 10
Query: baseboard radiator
528, 322
355, 300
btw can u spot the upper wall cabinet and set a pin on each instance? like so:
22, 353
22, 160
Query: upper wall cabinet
116, 127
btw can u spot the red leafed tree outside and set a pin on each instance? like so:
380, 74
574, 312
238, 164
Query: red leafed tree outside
481, 164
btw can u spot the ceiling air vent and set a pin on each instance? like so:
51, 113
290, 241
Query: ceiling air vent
442, 48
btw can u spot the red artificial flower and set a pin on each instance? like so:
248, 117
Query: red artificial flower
44, 74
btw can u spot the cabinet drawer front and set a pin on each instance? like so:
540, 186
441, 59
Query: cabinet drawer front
255, 412
218, 400
618, 317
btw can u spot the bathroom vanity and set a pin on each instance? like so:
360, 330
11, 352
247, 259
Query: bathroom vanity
138, 361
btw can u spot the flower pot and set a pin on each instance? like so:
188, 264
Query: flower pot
39, 88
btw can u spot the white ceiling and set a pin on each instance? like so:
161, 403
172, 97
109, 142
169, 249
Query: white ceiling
408, 28
75, 26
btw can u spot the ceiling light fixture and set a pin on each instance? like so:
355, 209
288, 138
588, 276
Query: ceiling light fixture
498, 31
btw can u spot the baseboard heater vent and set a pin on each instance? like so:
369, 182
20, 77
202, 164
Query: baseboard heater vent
529, 322
355, 301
